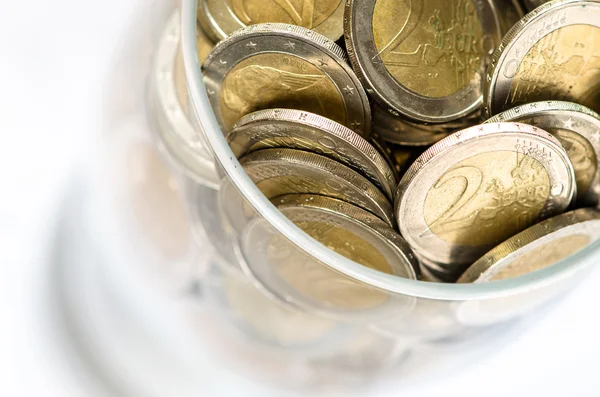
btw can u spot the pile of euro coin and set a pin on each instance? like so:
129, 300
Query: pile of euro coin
461, 135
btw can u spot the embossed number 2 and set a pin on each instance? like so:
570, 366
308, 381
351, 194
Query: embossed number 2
472, 178
304, 19
387, 54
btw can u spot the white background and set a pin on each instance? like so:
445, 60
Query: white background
58, 59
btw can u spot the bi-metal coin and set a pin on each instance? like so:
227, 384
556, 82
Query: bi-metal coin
540, 246
284, 66
296, 129
283, 171
422, 59
578, 130
553, 53
295, 276
339, 207
222, 17
478, 187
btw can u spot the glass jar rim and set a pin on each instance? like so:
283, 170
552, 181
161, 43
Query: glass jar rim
200, 105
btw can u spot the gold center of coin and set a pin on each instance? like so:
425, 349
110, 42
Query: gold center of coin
432, 47
544, 255
305, 13
317, 281
275, 80
563, 65
582, 155
487, 198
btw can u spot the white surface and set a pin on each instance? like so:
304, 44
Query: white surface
61, 60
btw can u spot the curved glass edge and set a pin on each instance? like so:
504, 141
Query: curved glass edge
556, 273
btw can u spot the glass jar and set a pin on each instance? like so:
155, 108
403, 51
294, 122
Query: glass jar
263, 313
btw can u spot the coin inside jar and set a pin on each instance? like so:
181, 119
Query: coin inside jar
479, 186
540, 246
223, 17
551, 54
578, 130
283, 171
286, 271
295, 129
284, 66
422, 59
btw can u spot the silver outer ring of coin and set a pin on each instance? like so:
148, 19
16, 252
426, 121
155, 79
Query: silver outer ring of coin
581, 221
316, 49
522, 37
460, 146
335, 141
340, 207
393, 96
345, 183
565, 115
322, 346
218, 32
258, 267
181, 144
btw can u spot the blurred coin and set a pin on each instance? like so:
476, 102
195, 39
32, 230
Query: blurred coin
553, 53
339, 207
531, 5
578, 130
284, 66
179, 141
401, 132
282, 171
540, 246
275, 323
479, 186
295, 276
296, 129
509, 13
223, 17
422, 59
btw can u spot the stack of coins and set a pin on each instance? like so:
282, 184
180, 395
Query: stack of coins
463, 133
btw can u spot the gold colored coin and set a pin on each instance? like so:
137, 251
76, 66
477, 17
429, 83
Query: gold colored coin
286, 271
578, 130
540, 246
439, 50
478, 187
513, 194
223, 17
271, 66
295, 129
423, 59
553, 53
283, 171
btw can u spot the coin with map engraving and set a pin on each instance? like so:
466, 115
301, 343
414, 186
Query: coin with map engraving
540, 246
270, 66
479, 186
284, 171
295, 129
553, 53
423, 59
578, 130
223, 17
